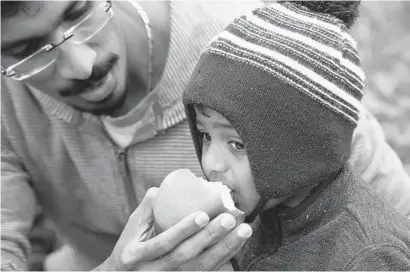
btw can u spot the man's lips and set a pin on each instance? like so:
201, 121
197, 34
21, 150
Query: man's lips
101, 90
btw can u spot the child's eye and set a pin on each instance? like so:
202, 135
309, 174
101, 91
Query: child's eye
206, 137
237, 145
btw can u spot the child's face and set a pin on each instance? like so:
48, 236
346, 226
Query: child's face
224, 158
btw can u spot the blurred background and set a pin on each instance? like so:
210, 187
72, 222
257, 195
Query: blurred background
383, 36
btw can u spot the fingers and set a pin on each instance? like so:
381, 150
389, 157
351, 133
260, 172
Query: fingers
190, 248
213, 232
140, 222
193, 241
139, 225
216, 230
214, 257
137, 251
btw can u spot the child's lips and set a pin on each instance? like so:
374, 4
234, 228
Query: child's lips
234, 198
233, 192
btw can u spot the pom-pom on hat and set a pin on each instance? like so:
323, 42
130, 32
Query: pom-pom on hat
287, 77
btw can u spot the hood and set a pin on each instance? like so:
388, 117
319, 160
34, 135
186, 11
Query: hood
296, 119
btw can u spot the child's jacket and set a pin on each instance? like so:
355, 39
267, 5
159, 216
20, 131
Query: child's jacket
342, 225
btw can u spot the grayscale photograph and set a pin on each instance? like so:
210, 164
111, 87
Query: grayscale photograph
205, 135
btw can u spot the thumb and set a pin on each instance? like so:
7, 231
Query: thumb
144, 209
142, 219
139, 228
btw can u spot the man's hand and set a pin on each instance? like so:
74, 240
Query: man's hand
192, 244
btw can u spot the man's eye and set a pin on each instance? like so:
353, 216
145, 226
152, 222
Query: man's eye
77, 13
28, 49
237, 145
206, 137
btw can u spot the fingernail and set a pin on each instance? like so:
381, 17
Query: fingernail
245, 231
228, 222
202, 219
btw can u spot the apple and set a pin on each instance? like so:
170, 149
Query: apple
182, 193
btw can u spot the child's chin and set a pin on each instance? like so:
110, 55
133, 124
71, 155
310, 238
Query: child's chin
247, 209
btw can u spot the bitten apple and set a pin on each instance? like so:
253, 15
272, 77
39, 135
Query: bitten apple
182, 193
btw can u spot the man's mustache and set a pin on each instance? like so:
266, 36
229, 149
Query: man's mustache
100, 70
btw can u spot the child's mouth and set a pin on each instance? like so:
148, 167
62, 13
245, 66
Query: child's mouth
233, 195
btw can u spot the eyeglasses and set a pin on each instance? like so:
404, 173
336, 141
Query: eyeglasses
46, 56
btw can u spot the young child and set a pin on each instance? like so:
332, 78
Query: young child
272, 106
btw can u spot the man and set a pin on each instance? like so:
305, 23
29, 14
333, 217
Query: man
92, 118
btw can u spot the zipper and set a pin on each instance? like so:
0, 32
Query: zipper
126, 178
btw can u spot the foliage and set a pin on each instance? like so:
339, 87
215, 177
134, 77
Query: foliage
384, 44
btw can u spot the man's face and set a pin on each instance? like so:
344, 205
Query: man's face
90, 76
224, 158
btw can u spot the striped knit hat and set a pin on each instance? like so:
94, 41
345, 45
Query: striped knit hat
287, 77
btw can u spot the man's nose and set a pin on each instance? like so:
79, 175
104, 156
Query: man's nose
76, 61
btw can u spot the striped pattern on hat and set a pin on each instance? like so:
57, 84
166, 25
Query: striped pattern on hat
311, 51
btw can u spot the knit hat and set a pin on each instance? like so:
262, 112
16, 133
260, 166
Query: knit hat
287, 77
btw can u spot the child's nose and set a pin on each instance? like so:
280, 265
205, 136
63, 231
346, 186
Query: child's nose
217, 172
214, 163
